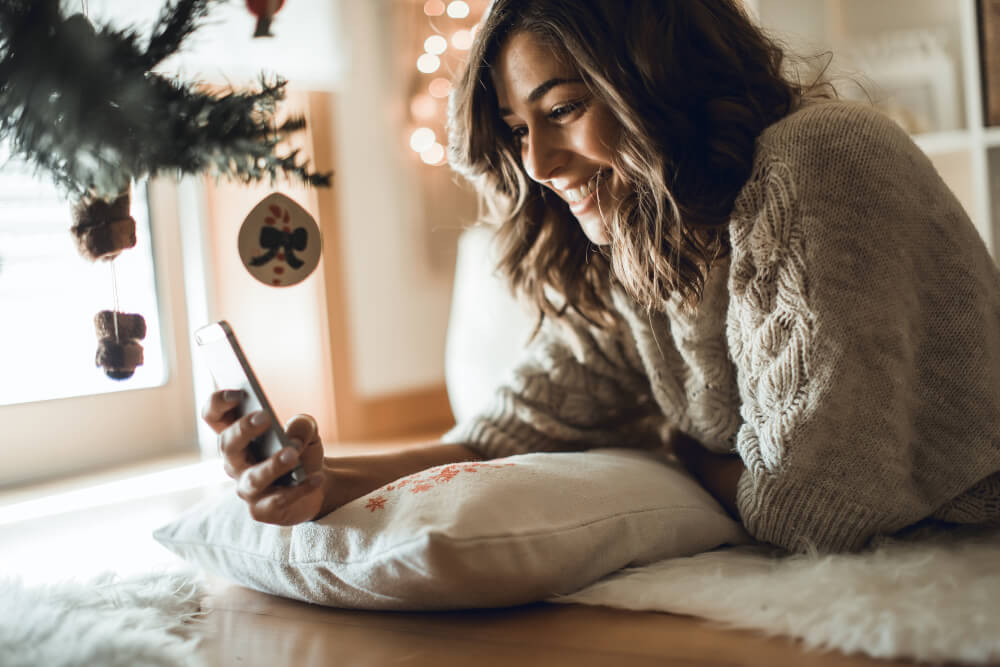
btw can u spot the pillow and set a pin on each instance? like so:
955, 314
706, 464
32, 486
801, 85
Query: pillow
484, 534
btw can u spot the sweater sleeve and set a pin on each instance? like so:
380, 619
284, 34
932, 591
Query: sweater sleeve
576, 387
854, 310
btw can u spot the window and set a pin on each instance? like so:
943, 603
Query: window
61, 413
50, 294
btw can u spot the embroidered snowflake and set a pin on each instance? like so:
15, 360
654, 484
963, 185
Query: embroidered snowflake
428, 479
376, 503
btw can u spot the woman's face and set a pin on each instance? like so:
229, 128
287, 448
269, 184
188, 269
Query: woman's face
567, 137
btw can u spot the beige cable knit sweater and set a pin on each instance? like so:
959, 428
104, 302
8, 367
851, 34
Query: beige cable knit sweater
849, 349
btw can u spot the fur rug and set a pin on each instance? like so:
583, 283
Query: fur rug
936, 599
143, 621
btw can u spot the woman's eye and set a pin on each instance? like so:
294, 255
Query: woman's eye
564, 110
519, 133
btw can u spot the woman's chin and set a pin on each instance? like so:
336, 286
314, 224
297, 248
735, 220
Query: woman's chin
594, 230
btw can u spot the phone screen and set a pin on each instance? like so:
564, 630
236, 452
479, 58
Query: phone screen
231, 370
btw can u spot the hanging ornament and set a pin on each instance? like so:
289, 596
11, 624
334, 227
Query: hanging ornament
118, 348
279, 242
103, 228
86, 104
264, 10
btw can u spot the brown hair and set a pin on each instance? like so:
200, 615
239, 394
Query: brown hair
692, 84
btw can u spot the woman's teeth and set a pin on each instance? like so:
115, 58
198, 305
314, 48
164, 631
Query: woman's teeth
579, 194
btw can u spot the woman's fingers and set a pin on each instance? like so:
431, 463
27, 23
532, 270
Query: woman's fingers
234, 442
219, 412
289, 506
303, 428
255, 481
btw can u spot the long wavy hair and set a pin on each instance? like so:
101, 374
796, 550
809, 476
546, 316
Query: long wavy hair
692, 84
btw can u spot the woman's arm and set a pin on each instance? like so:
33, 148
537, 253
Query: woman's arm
331, 482
349, 477
718, 473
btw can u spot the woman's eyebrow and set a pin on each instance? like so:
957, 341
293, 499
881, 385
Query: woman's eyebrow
539, 91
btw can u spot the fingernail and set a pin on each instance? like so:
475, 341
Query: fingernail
259, 419
296, 443
288, 456
232, 395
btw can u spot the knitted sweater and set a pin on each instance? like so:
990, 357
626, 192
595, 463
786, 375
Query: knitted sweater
848, 350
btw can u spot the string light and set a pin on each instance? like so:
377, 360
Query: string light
428, 98
439, 87
462, 40
458, 9
433, 155
422, 140
428, 63
423, 107
436, 45
434, 7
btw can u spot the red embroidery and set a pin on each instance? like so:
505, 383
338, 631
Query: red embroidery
428, 479
376, 503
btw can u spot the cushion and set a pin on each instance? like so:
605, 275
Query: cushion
483, 534
487, 328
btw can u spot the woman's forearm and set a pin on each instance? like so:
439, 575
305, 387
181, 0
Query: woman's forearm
350, 477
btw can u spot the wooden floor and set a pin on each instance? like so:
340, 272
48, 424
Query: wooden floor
258, 630
77, 536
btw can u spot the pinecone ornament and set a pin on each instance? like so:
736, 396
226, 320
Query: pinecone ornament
118, 348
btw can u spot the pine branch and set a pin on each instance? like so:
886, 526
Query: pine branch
82, 105
177, 20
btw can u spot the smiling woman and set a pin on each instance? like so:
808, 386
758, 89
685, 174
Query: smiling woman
566, 137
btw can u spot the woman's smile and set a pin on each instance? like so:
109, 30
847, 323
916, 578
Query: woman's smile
566, 136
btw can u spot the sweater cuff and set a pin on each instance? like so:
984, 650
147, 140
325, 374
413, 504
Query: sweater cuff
800, 518
492, 440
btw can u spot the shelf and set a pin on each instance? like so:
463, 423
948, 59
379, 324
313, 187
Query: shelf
991, 137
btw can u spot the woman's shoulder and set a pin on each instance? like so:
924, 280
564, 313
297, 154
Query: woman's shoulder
824, 130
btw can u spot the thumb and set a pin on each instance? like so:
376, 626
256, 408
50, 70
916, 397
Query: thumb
302, 427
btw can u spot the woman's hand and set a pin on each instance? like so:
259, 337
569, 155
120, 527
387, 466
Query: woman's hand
283, 505
718, 473
331, 482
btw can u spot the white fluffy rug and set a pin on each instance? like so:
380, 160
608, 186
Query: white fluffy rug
934, 600
150, 620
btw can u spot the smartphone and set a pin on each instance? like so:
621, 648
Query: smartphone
231, 370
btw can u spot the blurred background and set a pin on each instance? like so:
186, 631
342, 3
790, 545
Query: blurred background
364, 343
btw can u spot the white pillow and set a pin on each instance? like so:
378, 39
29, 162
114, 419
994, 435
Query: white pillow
492, 533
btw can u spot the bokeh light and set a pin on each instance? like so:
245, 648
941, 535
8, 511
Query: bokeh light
439, 87
423, 139
428, 63
423, 107
458, 9
435, 44
434, 154
462, 39
434, 7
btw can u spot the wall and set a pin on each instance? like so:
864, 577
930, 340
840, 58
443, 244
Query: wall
397, 304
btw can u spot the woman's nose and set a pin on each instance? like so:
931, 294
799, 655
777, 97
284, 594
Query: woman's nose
542, 156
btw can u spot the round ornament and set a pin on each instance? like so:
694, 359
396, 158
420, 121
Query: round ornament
279, 242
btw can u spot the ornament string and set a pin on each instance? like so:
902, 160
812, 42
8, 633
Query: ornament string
114, 292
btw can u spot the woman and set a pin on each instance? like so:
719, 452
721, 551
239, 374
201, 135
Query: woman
776, 283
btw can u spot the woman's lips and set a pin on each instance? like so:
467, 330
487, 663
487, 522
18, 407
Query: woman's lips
584, 205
